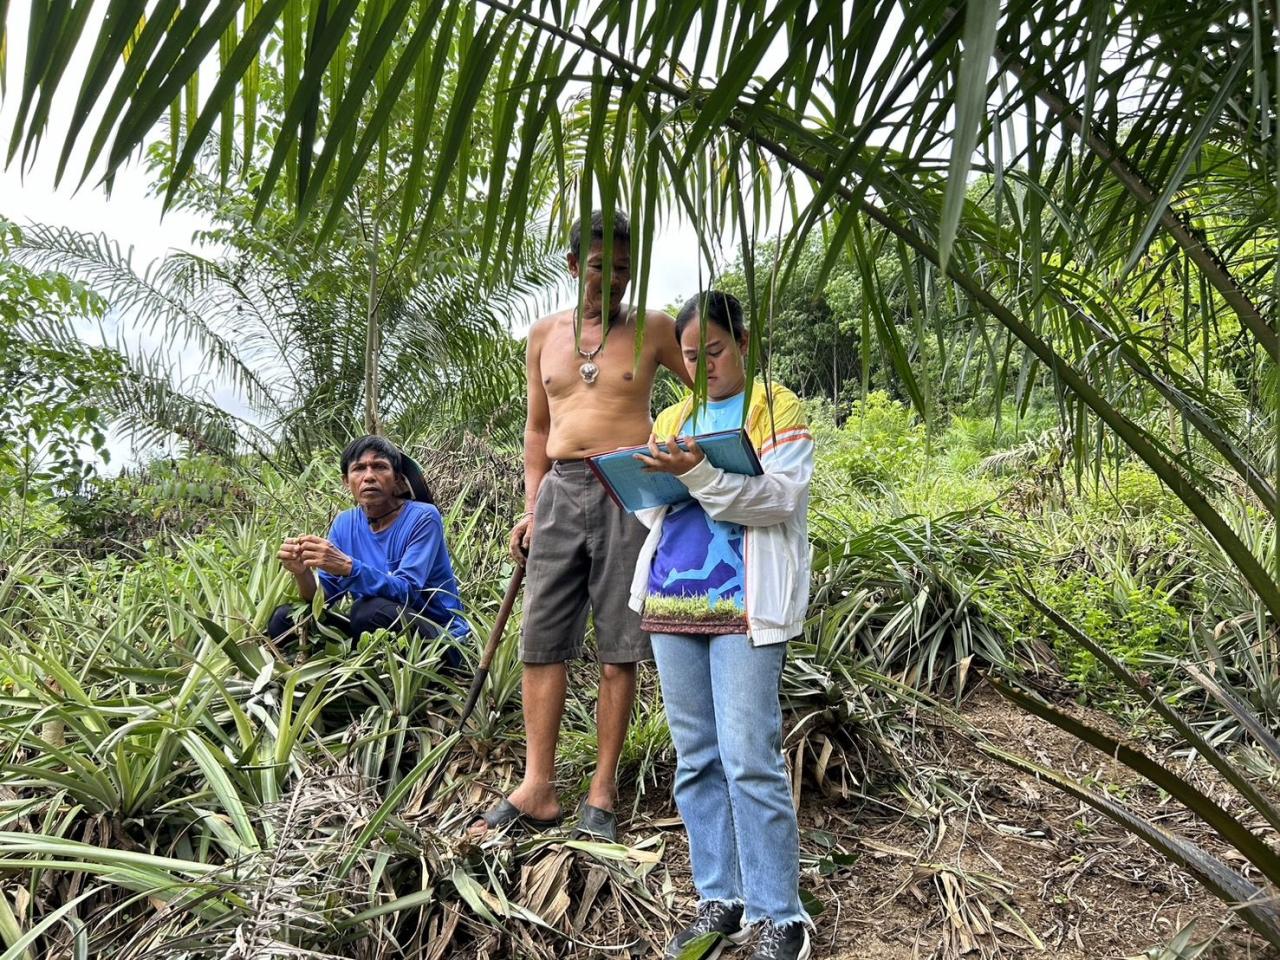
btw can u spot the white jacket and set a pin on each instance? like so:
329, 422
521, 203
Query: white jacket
773, 508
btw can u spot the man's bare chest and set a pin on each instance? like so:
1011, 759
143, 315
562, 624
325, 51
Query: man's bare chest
593, 371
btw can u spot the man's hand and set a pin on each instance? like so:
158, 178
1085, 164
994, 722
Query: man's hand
521, 538
676, 460
290, 556
319, 554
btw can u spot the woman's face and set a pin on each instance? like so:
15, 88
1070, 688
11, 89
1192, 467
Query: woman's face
726, 358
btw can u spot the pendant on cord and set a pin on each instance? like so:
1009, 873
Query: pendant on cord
588, 371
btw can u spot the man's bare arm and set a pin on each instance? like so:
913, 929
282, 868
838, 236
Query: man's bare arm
537, 427
306, 585
537, 424
663, 329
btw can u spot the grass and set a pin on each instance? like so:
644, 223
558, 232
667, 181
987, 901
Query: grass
690, 608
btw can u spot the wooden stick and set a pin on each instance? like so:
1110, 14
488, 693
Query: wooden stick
495, 640
482, 674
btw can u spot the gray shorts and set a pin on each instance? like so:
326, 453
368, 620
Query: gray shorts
584, 549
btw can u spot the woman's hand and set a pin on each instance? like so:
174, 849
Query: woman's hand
676, 460
319, 554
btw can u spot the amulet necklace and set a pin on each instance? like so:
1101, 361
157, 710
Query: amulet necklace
383, 516
589, 370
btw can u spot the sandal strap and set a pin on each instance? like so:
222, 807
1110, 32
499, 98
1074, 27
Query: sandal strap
507, 812
597, 821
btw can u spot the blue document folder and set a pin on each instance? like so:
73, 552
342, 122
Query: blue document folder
632, 489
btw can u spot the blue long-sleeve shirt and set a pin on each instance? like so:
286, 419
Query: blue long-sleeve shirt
407, 563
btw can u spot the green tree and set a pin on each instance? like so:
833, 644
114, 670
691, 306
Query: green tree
326, 329
838, 339
53, 386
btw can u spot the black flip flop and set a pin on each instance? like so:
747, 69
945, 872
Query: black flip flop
507, 813
595, 823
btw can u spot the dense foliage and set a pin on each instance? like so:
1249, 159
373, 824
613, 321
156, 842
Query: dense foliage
1028, 264
309, 334
220, 752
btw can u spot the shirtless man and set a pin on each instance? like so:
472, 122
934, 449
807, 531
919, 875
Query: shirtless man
583, 398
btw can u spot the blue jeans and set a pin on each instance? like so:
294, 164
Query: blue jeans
721, 695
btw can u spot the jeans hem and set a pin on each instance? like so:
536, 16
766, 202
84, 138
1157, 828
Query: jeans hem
727, 901
783, 921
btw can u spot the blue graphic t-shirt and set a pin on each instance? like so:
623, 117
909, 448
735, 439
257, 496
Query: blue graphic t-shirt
698, 556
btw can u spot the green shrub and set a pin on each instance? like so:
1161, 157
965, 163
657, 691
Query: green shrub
881, 443
970, 438
911, 594
1130, 620
824, 419
939, 494
1133, 491
164, 497
981, 435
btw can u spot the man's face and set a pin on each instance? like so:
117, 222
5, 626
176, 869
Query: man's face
371, 479
619, 278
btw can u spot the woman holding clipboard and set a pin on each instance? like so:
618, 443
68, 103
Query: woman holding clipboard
722, 583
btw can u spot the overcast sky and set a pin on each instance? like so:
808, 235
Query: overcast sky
132, 217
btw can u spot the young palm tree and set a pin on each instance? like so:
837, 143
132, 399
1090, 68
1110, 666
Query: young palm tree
292, 343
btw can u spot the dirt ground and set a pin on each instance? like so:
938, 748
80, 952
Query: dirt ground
996, 864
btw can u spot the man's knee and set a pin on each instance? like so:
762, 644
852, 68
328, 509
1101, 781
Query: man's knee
281, 621
374, 614
548, 672
618, 672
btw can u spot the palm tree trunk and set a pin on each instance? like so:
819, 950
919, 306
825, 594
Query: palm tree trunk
372, 342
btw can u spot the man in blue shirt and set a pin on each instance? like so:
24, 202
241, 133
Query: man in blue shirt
387, 552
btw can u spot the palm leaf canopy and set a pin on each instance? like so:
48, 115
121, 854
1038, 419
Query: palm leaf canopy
1127, 158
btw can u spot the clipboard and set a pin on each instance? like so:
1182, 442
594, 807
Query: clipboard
633, 489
